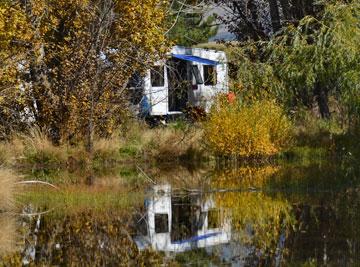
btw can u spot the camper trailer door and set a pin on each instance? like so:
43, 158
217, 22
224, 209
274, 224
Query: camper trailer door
157, 85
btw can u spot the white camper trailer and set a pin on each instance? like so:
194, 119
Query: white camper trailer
178, 224
190, 77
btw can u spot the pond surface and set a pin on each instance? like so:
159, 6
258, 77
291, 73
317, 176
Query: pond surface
283, 215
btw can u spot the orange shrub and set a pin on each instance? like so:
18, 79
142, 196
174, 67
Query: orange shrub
256, 130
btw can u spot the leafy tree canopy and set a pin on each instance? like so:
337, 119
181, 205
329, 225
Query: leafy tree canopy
307, 63
260, 19
68, 61
189, 26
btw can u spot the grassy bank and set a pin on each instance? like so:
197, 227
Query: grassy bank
135, 143
260, 132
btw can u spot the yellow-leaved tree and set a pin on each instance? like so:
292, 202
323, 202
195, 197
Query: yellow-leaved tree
14, 37
74, 60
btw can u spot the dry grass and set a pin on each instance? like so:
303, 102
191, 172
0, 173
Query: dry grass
7, 189
7, 223
7, 234
35, 147
11, 151
169, 144
39, 148
5, 154
107, 149
181, 177
135, 142
160, 144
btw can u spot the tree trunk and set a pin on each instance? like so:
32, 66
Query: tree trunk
297, 9
89, 146
323, 101
255, 21
275, 16
89, 142
285, 6
89, 137
250, 20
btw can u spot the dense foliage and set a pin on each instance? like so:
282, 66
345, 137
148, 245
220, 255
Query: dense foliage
311, 65
189, 23
319, 58
254, 130
67, 62
260, 19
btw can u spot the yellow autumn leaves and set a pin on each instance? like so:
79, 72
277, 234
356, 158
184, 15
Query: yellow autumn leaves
255, 130
64, 64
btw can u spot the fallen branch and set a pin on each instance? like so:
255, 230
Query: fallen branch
32, 214
145, 175
37, 182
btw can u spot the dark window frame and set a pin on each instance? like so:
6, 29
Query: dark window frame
161, 223
214, 214
196, 74
157, 76
210, 77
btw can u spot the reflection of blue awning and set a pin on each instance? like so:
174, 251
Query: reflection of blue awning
196, 59
196, 238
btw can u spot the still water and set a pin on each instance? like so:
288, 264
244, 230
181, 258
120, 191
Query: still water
287, 215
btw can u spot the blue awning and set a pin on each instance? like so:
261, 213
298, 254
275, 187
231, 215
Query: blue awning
196, 59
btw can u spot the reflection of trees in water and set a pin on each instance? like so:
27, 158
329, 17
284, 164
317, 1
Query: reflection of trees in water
311, 182
189, 177
326, 223
200, 257
243, 177
327, 230
7, 222
90, 238
259, 218
321, 202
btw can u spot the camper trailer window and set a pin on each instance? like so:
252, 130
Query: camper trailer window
210, 75
157, 76
197, 75
213, 219
161, 223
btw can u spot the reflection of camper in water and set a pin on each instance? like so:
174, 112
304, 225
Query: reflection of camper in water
182, 223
